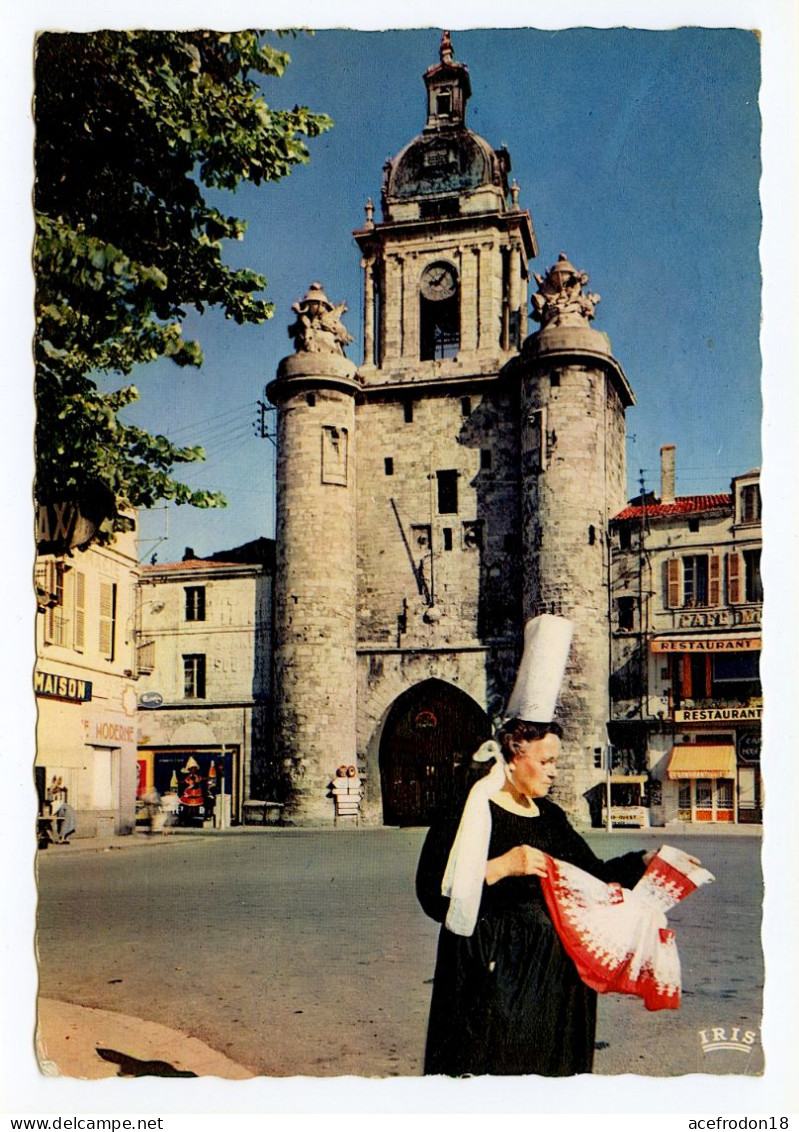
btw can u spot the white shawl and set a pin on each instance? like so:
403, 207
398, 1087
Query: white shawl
464, 875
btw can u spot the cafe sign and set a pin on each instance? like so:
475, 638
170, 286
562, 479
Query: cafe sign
53, 687
719, 618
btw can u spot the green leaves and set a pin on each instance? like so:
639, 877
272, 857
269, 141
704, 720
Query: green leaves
130, 126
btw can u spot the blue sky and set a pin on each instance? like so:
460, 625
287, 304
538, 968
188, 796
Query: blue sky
637, 153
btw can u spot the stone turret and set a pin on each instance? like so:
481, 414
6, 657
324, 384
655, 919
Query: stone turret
315, 577
574, 396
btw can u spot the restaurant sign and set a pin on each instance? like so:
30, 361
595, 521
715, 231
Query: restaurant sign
54, 687
706, 644
718, 714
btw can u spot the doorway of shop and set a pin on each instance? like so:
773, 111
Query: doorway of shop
430, 734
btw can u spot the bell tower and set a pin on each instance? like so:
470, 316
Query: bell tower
446, 271
439, 619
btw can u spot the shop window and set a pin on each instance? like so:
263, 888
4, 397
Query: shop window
753, 582
107, 624
724, 794
195, 603
736, 676
684, 800
194, 676
447, 492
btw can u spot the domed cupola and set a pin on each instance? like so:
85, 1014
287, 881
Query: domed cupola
447, 170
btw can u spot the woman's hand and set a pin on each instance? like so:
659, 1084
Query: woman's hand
521, 861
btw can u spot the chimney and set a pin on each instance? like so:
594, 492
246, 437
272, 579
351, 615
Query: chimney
188, 554
667, 454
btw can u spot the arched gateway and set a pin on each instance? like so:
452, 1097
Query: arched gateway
431, 731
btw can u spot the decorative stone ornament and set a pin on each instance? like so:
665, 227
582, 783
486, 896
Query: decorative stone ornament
560, 300
319, 329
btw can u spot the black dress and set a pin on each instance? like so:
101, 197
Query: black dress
508, 999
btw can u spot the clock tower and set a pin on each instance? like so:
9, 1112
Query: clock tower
445, 272
439, 550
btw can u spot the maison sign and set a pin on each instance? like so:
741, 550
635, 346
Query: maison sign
53, 687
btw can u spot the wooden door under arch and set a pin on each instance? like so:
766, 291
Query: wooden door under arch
428, 739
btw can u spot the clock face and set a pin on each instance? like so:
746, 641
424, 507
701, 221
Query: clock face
439, 281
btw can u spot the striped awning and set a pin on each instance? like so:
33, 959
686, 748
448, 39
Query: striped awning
695, 761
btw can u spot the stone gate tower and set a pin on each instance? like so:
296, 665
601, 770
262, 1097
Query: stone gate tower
314, 588
574, 395
486, 465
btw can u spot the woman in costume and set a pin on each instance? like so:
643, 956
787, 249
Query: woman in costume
507, 999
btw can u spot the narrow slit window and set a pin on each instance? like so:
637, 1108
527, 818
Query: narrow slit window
388, 464
447, 492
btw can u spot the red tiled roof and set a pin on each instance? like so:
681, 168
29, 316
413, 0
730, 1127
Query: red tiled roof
189, 564
682, 505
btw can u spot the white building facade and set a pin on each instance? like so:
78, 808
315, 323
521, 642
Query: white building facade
85, 687
687, 603
203, 680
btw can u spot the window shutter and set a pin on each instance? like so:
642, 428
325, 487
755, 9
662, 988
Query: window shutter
714, 580
106, 633
79, 634
51, 586
687, 687
733, 578
673, 583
